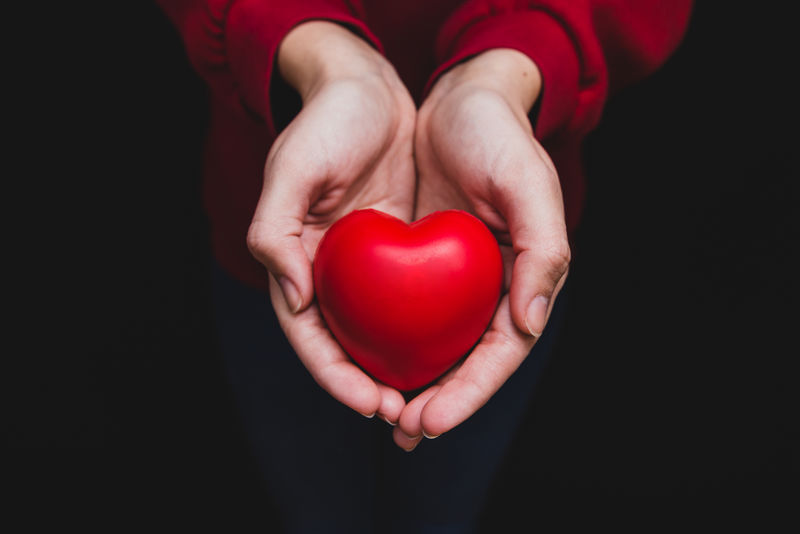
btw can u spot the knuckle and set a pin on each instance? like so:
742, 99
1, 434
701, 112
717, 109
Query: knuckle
549, 171
254, 238
557, 256
260, 240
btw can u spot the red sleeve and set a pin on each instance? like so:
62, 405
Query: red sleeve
232, 44
583, 48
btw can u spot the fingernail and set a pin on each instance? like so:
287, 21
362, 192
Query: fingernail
536, 314
410, 448
291, 294
368, 415
430, 437
387, 420
411, 437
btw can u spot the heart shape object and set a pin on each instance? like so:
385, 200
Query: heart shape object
407, 301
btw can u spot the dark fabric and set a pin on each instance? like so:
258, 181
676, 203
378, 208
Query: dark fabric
330, 469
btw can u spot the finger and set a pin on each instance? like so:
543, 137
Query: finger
406, 443
408, 432
535, 282
409, 424
534, 210
392, 404
324, 359
499, 353
276, 229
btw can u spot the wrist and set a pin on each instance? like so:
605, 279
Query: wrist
317, 52
508, 72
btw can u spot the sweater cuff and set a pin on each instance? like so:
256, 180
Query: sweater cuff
254, 30
536, 34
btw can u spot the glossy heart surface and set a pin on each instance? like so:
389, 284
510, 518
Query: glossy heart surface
406, 302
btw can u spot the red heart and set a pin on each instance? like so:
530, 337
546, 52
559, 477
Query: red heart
407, 301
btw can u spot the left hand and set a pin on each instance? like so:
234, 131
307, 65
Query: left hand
349, 147
475, 151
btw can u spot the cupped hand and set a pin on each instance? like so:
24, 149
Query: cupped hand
350, 147
475, 150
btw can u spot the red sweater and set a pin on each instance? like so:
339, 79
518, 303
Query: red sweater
585, 49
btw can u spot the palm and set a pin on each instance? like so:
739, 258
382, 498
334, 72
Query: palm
354, 146
349, 148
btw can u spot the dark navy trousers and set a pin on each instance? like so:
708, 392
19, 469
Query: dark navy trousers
331, 470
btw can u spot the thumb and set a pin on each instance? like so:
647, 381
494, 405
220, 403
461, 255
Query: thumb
274, 240
539, 238
536, 279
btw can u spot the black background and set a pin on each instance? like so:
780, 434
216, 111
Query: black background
669, 401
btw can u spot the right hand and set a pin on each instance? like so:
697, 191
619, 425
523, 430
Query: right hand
475, 150
350, 147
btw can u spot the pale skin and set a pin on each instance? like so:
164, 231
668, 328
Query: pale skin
359, 142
